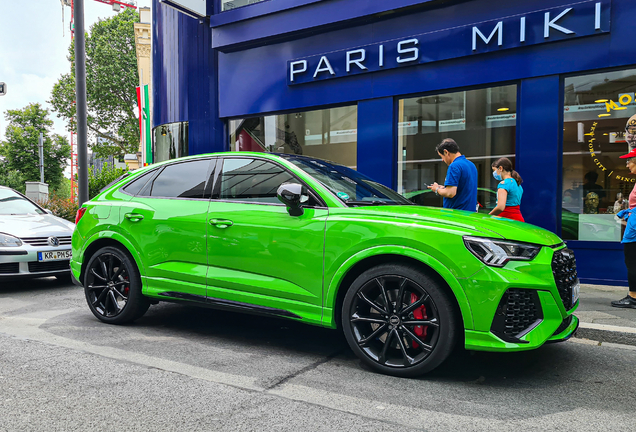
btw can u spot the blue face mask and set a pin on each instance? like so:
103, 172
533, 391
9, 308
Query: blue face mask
496, 175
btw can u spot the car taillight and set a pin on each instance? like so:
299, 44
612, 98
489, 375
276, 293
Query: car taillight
80, 213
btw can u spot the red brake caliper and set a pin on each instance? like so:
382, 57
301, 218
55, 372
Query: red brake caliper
419, 314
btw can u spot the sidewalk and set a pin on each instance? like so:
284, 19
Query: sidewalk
602, 322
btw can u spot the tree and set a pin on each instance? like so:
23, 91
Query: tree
99, 179
20, 150
111, 81
11, 178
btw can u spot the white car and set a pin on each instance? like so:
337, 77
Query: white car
33, 242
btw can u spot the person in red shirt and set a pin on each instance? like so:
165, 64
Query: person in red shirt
629, 240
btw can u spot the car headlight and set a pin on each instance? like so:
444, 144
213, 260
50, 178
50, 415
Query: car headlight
7, 240
497, 253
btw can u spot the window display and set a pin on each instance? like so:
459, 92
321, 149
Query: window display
327, 134
482, 122
170, 141
599, 126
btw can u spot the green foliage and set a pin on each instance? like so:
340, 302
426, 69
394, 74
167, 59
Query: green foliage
111, 81
61, 206
20, 150
99, 179
64, 189
11, 178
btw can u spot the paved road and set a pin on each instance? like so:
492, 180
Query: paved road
188, 369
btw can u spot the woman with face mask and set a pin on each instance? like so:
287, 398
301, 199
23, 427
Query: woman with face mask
509, 190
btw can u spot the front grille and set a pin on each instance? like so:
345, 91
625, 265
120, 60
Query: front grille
565, 277
7, 268
519, 311
37, 267
44, 241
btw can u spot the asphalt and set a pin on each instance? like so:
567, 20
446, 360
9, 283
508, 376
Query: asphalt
599, 321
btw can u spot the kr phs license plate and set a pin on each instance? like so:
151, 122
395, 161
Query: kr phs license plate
575, 292
54, 255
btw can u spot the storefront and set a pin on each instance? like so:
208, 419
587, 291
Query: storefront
377, 85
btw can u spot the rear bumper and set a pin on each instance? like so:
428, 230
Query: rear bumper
75, 280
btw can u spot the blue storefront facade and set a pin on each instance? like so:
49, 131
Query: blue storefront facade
376, 85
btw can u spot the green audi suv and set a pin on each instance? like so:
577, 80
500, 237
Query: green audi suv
310, 240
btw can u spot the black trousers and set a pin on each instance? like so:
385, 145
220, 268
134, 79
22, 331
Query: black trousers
630, 262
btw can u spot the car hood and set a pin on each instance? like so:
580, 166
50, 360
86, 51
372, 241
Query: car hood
35, 225
480, 224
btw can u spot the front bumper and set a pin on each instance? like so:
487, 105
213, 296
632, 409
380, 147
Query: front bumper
523, 305
22, 262
570, 326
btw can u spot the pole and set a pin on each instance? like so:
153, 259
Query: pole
80, 98
41, 150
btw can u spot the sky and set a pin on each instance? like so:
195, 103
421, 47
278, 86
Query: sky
34, 48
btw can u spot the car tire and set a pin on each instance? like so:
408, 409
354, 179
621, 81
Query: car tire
410, 337
112, 286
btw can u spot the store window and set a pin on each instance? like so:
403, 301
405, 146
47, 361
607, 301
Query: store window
596, 182
482, 122
233, 4
170, 141
328, 134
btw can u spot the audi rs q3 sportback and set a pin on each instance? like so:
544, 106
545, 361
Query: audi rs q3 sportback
313, 241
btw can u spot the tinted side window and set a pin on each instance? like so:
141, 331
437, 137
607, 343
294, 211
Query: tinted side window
251, 180
182, 180
135, 186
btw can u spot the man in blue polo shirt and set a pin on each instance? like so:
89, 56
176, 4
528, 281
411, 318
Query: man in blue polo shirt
460, 187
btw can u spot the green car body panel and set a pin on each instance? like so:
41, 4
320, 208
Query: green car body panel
301, 264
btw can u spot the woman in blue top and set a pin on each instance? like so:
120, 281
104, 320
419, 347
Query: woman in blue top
629, 241
509, 190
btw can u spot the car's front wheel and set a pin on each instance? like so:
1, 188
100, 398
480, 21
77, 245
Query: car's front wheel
398, 320
112, 286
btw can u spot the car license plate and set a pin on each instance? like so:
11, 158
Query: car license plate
575, 292
54, 255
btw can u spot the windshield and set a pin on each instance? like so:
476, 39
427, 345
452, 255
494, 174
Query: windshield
350, 186
12, 203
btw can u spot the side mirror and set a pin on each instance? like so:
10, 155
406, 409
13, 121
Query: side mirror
48, 211
293, 195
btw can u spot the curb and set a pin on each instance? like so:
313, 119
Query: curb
607, 333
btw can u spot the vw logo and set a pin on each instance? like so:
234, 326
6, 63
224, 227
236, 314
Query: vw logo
53, 241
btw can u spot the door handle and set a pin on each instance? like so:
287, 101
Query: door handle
134, 217
221, 223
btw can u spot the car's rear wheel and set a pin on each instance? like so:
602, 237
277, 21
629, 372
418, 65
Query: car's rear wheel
398, 321
112, 286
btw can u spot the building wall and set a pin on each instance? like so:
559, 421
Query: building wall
237, 66
184, 77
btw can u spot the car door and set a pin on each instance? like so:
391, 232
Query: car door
258, 254
167, 223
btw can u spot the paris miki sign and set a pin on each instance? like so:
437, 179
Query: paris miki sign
584, 18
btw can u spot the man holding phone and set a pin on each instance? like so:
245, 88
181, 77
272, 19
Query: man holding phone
460, 187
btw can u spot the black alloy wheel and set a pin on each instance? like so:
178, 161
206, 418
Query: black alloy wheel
112, 286
398, 321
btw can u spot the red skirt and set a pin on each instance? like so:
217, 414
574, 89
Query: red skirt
512, 212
